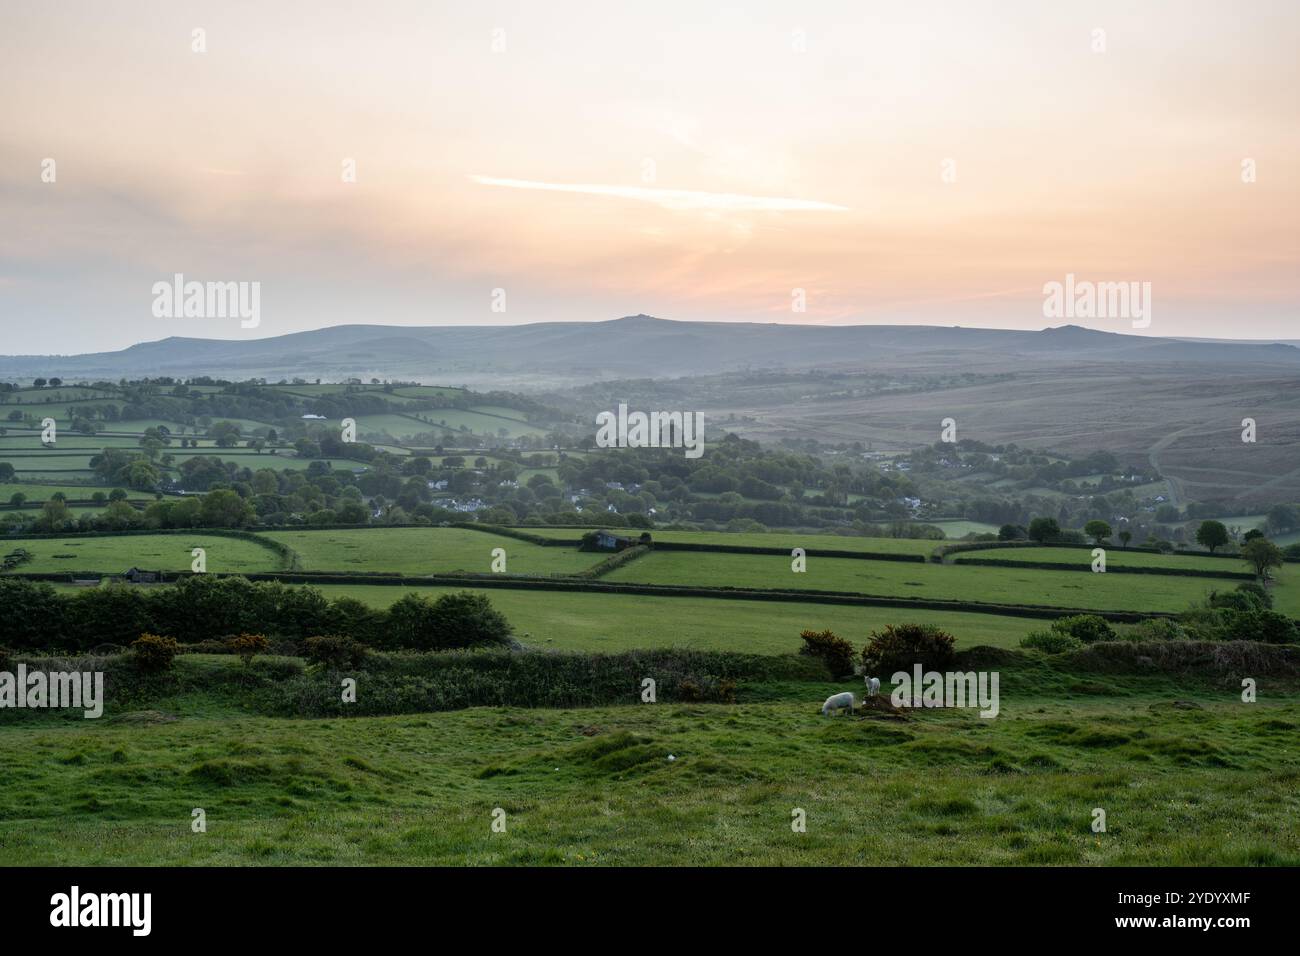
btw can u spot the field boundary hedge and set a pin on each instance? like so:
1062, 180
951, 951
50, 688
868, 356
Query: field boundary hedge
1110, 569
616, 560
516, 534
946, 550
784, 552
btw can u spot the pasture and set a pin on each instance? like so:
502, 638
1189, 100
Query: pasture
151, 552
43, 492
426, 551
1210, 784
774, 539
568, 620
1073, 589
1115, 558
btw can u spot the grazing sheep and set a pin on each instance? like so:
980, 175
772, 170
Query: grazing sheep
873, 686
838, 702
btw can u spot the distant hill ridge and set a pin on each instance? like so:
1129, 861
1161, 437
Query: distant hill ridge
632, 346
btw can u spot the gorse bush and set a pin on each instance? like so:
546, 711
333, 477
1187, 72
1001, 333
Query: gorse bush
1088, 628
1159, 629
1263, 599
900, 647
247, 646
834, 650
1267, 627
1247, 597
1234, 601
335, 652
1051, 642
153, 654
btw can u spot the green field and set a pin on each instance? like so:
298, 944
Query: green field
426, 551
68, 441
48, 461
151, 552
1213, 785
439, 419
618, 622
1072, 589
1115, 558
959, 528
775, 539
42, 492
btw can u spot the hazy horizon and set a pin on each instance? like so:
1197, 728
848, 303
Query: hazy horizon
930, 166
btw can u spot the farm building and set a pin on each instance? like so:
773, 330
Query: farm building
609, 541
138, 576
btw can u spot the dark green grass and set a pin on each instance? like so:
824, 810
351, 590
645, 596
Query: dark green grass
1213, 783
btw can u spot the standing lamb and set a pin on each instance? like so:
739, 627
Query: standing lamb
838, 702
873, 686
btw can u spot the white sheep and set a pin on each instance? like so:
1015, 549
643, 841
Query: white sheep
873, 686
838, 702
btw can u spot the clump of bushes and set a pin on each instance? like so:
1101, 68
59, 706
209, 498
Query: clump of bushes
1247, 597
153, 654
457, 620
200, 608
1242, 615
1267, 627
407, 682
900, 647
1051, 642
1088, 628
1070, 633
334, 652
247, 646
834, 650
1157, 629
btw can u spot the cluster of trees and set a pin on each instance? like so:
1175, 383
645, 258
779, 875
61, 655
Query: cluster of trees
203, 608
1262, 554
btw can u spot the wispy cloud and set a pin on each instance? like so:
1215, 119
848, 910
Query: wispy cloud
676, 199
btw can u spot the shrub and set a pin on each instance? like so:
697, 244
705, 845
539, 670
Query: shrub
461, 619
154, 654
1159, 629
1044, 529
1088, 628
834, 650
1263, 599
334, 652
247, 646
905, 645
1238, 600
1051, 642
6, 658
1267, 627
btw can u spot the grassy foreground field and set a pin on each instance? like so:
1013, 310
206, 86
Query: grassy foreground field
1212, 784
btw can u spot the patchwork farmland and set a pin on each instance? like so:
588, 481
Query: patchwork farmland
399, 550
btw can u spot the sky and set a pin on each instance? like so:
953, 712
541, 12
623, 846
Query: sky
829, 163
